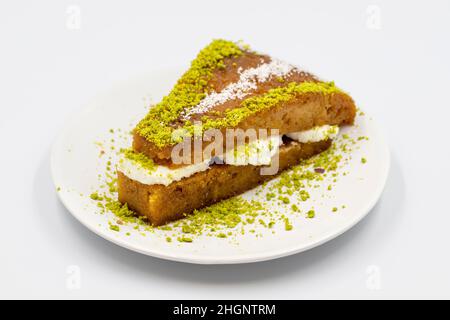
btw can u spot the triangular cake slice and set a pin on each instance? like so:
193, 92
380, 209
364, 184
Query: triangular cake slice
228, 86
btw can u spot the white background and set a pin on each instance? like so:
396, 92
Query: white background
392, 56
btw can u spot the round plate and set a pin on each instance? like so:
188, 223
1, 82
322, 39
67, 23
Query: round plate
76, 166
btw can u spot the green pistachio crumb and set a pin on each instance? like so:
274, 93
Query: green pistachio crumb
140, 159
304, 195
285, 200
287, 225
184, 239
186, 229
311, 214
114, 227
270, 196
95, 196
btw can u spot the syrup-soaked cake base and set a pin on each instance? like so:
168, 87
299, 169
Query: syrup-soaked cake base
162, 204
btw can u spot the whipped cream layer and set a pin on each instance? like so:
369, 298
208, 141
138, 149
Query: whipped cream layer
315, 134
256, 153
161, 174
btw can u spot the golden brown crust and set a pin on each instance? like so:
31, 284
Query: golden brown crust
223, 77
306, 112
163, 204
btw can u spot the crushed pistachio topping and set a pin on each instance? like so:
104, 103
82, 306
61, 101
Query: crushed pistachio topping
221, 216
190, 89
139, 158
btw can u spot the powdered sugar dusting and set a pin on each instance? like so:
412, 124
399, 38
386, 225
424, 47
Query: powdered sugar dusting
248, 81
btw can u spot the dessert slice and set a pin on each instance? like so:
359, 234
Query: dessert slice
290, 114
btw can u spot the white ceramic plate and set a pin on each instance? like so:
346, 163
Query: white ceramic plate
76, 165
